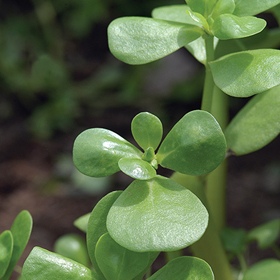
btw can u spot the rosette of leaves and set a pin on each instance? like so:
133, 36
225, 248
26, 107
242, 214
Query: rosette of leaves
154, 213
138, 40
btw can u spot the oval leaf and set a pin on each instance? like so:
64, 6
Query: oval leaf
184, 268
44, 265
256, 124
97, 225
194, 146
227, 26
96, 152
267, 269
21, 230
82, 222
146, 129
137, 168
156, 215
74, 247
139, 40
253, 7
204, 7
118, 263
6, 250
244, 74
265, 234
177, 13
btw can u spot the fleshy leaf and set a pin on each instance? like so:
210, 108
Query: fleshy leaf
223, 7
204, 7
147, 130
265, 234
268, 269
139, 40
246, 73
200, 19
6, 250
177, 13
97, 225
195, 145
74, 247
137, 168
97, 151
118, 263
82, 222
255, 125
227, 26
44, 265
253, 7
184, 268
156, 215
21, 230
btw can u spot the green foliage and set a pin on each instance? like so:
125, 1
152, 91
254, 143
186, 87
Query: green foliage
184, 268
163, 209
6, 250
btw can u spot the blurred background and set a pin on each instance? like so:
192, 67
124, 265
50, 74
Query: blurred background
58, 78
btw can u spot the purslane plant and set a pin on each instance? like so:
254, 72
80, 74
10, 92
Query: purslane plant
128, 229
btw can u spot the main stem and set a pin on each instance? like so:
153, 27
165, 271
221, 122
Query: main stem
211, 191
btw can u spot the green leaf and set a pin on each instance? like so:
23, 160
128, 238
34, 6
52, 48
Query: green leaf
74, 247
21, 230
116, 262
82, 222
253, 7
97, 225
156, 215
234, 240
195, 145
268, 269
223, 7
177, 13
44, 265
139, 40
146, 129
97, 151
200, 19
137, 168
204, 7
256, 125
246, 73
265, 234
6, 250
184, 268
227, 26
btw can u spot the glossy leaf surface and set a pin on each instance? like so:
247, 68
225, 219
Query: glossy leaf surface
74, 247
184, 268
21, 230
137, 168
253, 7
42, 264
194, 146
146, 129
97, 225
96, 152
6, 250
256, 124
246, 73
156, 215
82, 222
118, 263
227, 26
268, 269
265, 234
177, 13
204, 7
139, 40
